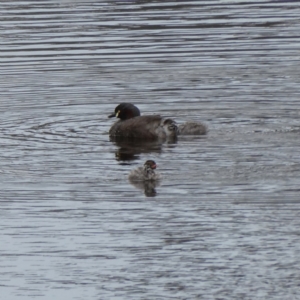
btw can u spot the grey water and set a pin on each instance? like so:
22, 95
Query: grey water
224, 221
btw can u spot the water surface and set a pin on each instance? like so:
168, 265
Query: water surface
223, 223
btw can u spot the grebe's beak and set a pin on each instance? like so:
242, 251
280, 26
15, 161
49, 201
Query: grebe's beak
115, 114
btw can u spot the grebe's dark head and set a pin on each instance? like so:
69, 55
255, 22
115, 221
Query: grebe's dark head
125, 111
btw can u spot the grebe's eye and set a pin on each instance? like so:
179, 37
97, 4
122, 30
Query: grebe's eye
173, 127
117, 113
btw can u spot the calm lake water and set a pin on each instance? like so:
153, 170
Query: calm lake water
223, 223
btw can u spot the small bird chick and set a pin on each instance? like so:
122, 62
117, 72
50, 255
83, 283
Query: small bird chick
145, 173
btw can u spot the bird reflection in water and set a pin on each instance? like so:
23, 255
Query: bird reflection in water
129, 150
